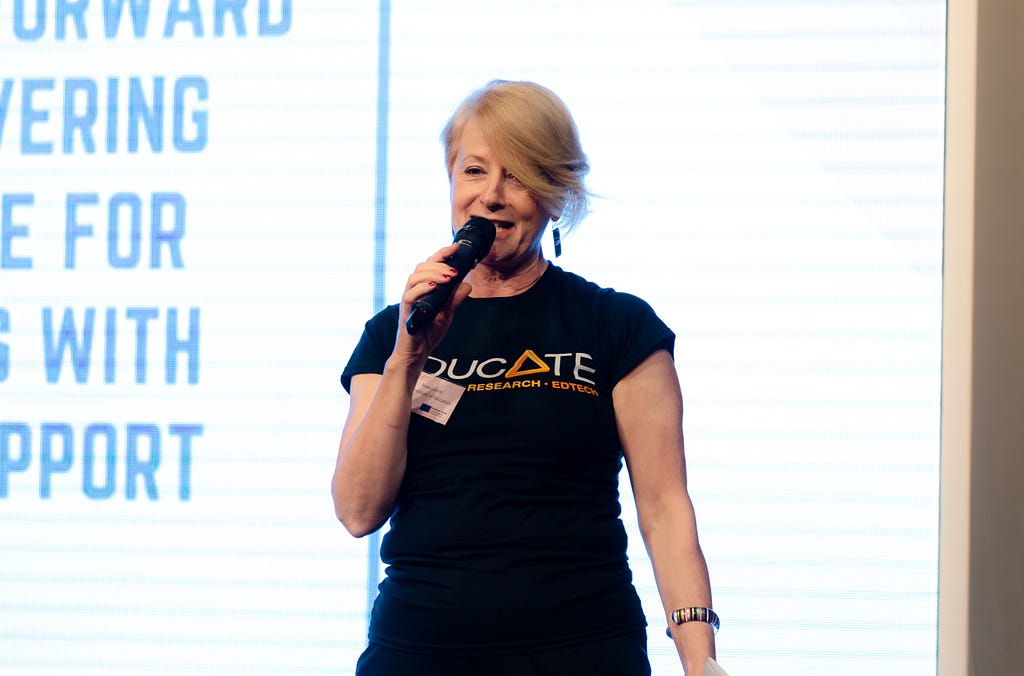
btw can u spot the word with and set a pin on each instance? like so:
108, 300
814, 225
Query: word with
74, 341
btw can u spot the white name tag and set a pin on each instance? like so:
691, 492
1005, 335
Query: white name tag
435, 398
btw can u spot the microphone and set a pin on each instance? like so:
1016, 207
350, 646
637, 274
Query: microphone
474, 239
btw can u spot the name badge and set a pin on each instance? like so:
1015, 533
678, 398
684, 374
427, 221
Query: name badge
435, 398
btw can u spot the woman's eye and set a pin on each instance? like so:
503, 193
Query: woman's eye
474, 171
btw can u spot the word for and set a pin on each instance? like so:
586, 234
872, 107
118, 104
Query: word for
88, 109
102, 455
32, 18
125, 213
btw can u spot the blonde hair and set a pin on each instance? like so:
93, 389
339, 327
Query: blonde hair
531, 130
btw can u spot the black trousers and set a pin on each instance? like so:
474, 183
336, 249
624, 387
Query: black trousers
614, 656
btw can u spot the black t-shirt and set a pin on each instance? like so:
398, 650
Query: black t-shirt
506, 533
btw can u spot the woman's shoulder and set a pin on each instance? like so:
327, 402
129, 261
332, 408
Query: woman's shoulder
384, 318
626, 326
605, 298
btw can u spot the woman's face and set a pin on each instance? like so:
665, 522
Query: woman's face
481, 186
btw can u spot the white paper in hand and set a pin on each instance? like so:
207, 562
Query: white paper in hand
711, 668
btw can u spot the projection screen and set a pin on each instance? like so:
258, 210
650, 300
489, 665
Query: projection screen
203, 201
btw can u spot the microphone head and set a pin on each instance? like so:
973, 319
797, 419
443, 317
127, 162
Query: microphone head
478, 233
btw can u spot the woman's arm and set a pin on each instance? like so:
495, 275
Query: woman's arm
648, 411
372, 451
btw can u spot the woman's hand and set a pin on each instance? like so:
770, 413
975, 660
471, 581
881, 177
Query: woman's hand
414, 349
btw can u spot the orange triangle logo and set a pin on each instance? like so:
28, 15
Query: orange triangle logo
518, 370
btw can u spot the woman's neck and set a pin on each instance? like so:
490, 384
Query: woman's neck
491, 281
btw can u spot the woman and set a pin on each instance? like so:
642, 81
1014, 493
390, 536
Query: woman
506, 554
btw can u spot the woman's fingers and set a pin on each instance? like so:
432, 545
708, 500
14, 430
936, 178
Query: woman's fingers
428, 275
443, 253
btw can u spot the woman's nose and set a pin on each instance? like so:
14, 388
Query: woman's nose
493, 195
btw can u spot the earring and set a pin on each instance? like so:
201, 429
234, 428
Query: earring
558, 240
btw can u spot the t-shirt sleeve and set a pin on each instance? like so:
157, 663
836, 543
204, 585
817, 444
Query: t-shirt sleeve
633, 331
374, 346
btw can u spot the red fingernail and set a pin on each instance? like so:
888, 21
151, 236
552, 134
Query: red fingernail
447, 276
453, 271
432, 283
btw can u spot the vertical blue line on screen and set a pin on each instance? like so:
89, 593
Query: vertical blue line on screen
379, 238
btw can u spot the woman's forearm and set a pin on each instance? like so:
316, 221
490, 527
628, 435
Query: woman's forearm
372, 452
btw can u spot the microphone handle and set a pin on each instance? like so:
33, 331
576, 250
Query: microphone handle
427, 306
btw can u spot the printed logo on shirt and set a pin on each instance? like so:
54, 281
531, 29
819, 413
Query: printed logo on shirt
518, 370
566, 371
